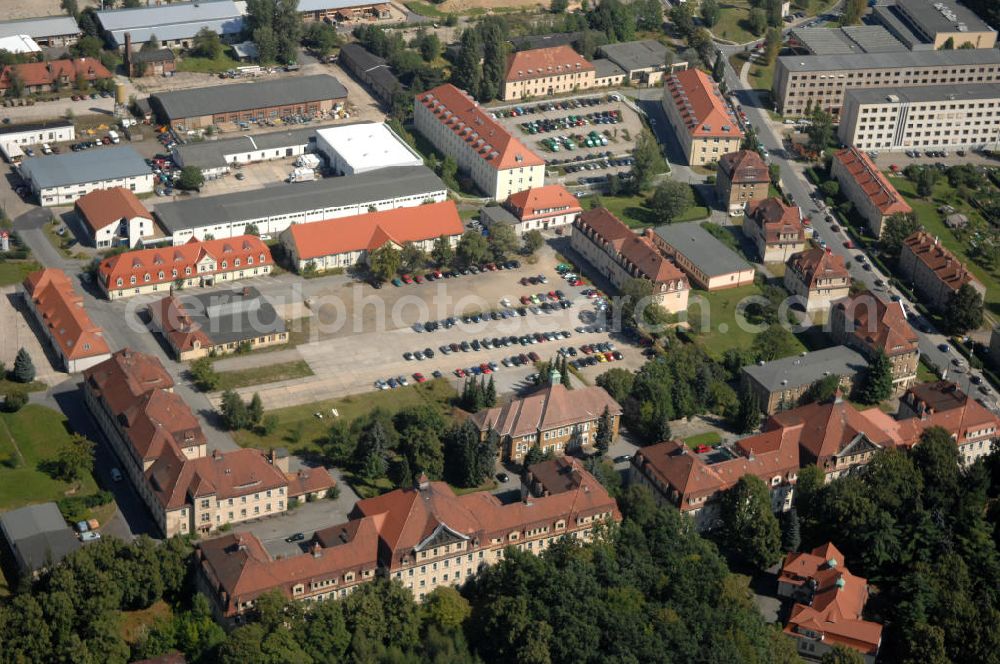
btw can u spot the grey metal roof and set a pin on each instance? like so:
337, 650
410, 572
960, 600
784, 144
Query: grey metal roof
496, 214
213, 154
702, 249
604, 68
360, 56
635, 55
41, 27
850, 39
289, 199
326, 5
802, 370
32, 520
198, 102
930, 15
33, 126
180, 20
232, 315
949, 92
44, 549
152, 55
900, 60
59, 170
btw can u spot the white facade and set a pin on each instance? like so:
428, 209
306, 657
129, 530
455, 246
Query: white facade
131, 229
359, 148
34, 135
272, 225
350, 258
67, 194
941, 117
498, 184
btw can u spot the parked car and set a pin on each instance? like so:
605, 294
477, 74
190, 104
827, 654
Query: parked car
297, 537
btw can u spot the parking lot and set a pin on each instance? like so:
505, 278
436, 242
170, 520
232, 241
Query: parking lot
580, 138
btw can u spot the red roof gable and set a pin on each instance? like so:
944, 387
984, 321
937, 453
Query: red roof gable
877, 188
44, 73
61, 310
543, 202
545, 62
701, 106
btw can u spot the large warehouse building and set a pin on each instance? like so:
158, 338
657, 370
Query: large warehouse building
363, 147
173, 24
60, 179
273, 209
44, 30
249, 102
215, 157
930, 24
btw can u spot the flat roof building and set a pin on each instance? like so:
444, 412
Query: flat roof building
61, 179
947, 116
864, 185
367, 146
38, 536
32, 133
707, 262
802, 81
44, 30
929, 24
643, 61
704, 123
372, 70
497, 161
243, 102
845, 40
778, 384
275, 208
214, 158
173, 24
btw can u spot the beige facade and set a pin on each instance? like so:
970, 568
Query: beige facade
863, 184
935, 272
805, 82
740, 180
700, 117
549, 85
817, 280
938, 117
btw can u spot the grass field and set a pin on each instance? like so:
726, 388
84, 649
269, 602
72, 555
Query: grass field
28, 438
230, 380
133, 623
734, 24
14, 272
710, 438
206, 65
930, 218
425, 9
722, 331
299, 428
633, 211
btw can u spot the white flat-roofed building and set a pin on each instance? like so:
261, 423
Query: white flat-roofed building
927, 117
19, 44
363, 147
61, 179
52, 131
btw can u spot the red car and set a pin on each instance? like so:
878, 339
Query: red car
609, 356
576, 282
806, 221
485, 368
418, 279
525, 299
460, 373
419, 377
407, 279
849, 244
437, 274
534, 356
524, 281
701, 449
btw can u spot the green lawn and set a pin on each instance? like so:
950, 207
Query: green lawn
721, 331
633, 211
14, 272
710, 438
299, 428
206, 65
932, 221
425, 9
28, 438
925, 375
733, 22
230, 380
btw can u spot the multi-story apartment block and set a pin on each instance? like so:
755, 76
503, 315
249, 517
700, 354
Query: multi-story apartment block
804, 82
869, 324
741, 177
775, 229
190, 265
871, 193
164, 453
543, 72
818, 278
934, 271
552, 418
615, 251
935, 116
423, 537
496, 161
692, 481
700, 117
828, 605
932, 24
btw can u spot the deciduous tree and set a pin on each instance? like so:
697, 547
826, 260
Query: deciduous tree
749, 527
964, 311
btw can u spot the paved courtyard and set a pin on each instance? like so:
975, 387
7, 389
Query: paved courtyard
18, 330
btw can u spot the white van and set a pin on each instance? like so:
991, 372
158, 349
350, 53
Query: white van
113, 135
46, 148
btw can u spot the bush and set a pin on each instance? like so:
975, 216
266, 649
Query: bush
15, 400
76, 508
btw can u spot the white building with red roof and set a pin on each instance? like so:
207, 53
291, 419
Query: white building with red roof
194, 264
455, 124
114, 216
862, 183
536, 209
705, 125
347, 241
58, 308
543, 72
828, 605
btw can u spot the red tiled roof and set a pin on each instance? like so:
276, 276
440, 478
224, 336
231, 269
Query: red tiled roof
545, 62
248, 249
816, 264
638, 250
371, 230
492, 142
826, 429
949, 270
744, 167
61, 309
542, 202
878, 324
701, 106
103, 207
940, 404
775, 219
309, 480
549, 407
177, 326
44, 73
877, 188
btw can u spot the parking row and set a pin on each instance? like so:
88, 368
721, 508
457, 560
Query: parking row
600, 165
508, 313
548, 107
546, 125
487, 343
434, 275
